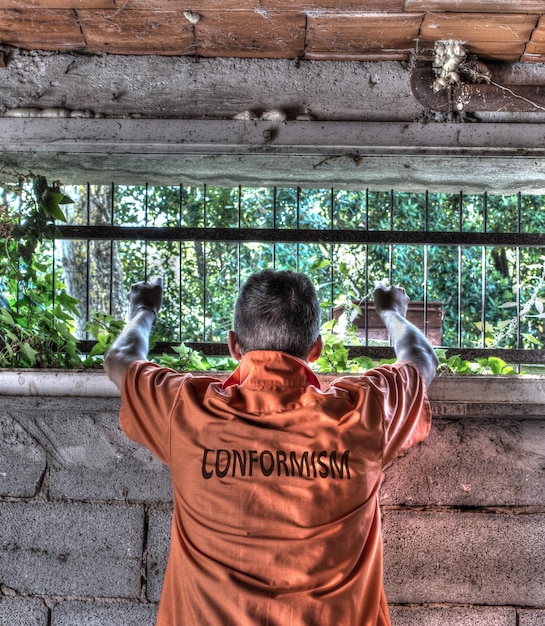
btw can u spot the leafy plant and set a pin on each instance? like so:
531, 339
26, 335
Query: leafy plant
456, 365
37, 315
188, 359
104, 329
532, 311
335, 355
49, 198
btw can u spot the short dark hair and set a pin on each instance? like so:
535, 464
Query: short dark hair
277, 310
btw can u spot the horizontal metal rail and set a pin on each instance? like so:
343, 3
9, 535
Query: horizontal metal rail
332, 236
512, 356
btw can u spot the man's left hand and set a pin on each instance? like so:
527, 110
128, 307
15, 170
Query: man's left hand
146, 294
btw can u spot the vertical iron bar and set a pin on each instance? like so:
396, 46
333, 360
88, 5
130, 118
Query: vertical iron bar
53, 273
180, 257
366, 303
274, 225
460, 273
146, 246
332, 208
112, 205
88, 256
517, 271
425, 295
391, 248
204, 267
483, 271
298, 214
239, 222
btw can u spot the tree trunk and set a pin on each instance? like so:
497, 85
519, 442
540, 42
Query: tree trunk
92, 270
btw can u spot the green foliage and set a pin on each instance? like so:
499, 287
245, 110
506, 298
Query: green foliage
335, 355
187, 359
34, 336
465, 279
49, 198
104, 329
37, 315
530, 319
456, 365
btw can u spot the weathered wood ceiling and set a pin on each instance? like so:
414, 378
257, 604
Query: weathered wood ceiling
366, 30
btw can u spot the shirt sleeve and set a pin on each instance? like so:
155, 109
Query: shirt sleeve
401, 392
148, 396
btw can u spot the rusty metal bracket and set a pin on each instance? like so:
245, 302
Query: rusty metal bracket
469, 97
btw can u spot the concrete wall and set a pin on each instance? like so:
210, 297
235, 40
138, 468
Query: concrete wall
219, 88
84, 513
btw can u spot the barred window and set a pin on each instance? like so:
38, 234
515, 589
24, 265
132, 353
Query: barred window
472, 264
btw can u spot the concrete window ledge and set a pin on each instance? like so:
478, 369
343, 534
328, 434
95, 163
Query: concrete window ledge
527, 389
64, 383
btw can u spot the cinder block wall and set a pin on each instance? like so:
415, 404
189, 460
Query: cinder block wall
85, 513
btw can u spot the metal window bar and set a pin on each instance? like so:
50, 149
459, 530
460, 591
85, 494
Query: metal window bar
112, 216
517, 271
483, 273
459, 273
88, 250
209, 235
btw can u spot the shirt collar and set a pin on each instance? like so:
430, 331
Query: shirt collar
272, 368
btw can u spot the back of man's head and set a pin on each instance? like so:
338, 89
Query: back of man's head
277, 310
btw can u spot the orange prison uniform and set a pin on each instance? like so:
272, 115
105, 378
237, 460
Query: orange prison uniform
276, 519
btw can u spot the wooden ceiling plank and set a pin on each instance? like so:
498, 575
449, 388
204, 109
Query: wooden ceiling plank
363, 55
195, 5
53, 29
57, 4
538, 35
472, 27
338, 6
535, 49
361, 37
137, 32
250, 34
497, 51
476, 6
533, 58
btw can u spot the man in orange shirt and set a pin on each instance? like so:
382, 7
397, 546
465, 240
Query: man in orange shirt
276, 518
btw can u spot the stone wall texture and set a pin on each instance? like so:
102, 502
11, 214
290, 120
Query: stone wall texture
85, 513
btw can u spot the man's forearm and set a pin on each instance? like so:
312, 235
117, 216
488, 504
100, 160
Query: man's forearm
410, 344
131, 345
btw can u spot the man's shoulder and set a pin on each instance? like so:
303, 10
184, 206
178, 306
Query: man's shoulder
155, 373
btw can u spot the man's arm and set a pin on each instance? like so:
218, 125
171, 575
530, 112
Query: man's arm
409, 343
133, 341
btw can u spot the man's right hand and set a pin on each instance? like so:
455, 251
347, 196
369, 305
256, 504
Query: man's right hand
132, 343
409, 343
